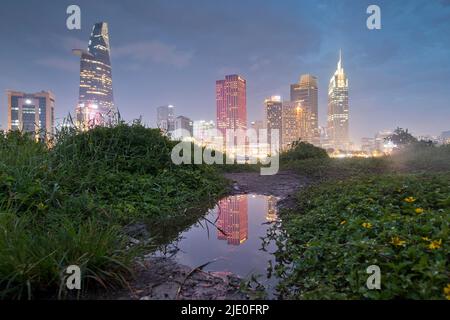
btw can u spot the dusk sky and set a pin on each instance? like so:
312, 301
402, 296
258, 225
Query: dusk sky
172, 52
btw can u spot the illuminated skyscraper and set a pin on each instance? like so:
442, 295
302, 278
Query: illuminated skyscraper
294, 123
232, 221
96, 102
33, 113
273, 109
338, 113
231, 102
166, 118
306, 92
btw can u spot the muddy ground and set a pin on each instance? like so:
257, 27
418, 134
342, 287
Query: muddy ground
162, 278
283, 185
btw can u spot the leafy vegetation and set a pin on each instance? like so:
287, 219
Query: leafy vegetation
392, 211
68, 205
415, 158
400, 223
302, 150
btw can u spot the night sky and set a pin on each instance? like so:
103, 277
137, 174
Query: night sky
171, 52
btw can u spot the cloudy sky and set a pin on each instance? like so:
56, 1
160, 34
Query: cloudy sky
172, 51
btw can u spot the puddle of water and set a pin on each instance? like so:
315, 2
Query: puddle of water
231, 236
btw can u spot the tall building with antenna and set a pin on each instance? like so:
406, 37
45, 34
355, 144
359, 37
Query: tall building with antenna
338, 111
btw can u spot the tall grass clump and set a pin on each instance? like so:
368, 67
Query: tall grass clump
68, 204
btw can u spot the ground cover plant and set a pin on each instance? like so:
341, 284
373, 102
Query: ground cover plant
393, 212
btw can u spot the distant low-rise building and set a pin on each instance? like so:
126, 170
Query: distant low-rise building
183, 128
445, 137
204, 132
368, 145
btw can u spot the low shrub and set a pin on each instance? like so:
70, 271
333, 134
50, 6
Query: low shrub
301, 151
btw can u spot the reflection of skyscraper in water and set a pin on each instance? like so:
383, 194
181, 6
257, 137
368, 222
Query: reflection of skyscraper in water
233, 219
271, 209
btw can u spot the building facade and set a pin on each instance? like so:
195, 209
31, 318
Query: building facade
273, 109
165, 118
294, 123
33, 113
306, 93
96, 101
183, 128
231, 103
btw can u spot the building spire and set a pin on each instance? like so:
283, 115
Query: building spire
340, 59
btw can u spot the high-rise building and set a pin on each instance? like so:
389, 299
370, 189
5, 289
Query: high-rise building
368, 145
306, 92
274, 118
231, 102
96, 101
33, 113
232, 221
294, 123
166, 118
338, 112
183, 128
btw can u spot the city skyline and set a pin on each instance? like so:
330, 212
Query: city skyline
384, 65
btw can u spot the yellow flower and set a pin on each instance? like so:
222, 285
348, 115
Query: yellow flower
41, 206
410, 199
419, 210
396, 241
367, 225
426, 239
447, 291
343, 222
435, 244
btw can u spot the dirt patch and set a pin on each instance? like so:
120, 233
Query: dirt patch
283, 185
164, 279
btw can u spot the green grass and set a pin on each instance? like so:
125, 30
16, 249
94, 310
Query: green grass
360, 212
67, 205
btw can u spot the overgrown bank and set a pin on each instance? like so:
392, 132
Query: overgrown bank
68, 205
393, 212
